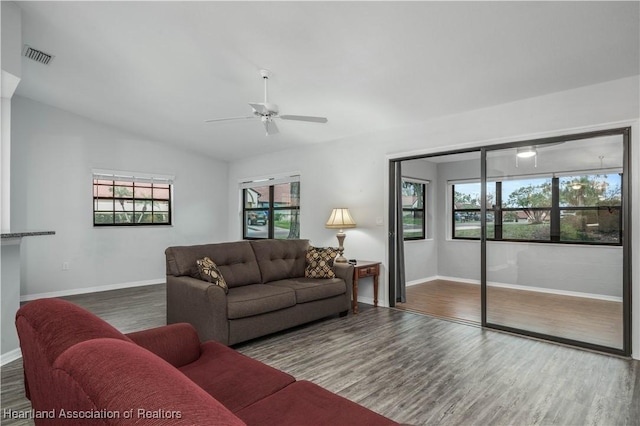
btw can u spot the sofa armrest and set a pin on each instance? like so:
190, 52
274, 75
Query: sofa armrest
178, 344
201, 304
345, 271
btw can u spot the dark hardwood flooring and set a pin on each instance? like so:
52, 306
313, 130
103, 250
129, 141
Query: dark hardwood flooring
414, 368
577, 318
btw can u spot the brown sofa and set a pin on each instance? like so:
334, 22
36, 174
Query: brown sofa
268, 291
79, 370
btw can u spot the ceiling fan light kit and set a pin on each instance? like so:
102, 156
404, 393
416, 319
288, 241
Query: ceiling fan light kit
267, 111
527, 152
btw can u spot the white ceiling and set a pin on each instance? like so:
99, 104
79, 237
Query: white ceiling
159, 69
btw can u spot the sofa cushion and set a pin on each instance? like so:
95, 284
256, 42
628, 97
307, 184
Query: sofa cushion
47, 317
232, 378
310, 289
111, 376
304, 403
319, 262
236, 261
280, 259
178, 344
257, 299
209, 272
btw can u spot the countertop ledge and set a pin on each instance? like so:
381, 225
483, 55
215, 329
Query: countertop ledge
26, 234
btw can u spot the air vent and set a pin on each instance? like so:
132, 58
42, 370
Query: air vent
37, 55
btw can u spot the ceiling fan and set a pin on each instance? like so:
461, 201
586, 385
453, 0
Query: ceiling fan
267, 111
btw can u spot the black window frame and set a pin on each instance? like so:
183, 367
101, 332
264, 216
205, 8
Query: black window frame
271, 209
555, 212
133, 183
422, 210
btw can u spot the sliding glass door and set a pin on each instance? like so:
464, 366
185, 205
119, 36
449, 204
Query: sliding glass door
555, 241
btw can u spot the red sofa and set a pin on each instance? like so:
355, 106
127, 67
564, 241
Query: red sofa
80, 370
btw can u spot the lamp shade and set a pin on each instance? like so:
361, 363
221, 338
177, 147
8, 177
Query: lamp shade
340, 218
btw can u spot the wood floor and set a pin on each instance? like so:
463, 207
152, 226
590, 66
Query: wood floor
588, 320
414, 368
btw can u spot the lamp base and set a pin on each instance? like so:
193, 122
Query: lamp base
340, 259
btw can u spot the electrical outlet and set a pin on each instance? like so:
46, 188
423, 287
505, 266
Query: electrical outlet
65, 266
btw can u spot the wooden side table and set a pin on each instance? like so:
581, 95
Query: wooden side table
362, 269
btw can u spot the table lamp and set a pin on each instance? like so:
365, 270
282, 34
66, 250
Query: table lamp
340, 219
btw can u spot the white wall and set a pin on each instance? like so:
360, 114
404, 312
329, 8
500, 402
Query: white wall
421, 256
11, 38
11, 73
53, 154
354, 171
10, 58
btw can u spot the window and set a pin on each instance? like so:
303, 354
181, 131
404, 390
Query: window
585, 208
122, 199
590, 208
271, 208
527, 205
466, 209
413, 209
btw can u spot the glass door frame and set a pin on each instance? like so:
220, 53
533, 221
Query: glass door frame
626, 239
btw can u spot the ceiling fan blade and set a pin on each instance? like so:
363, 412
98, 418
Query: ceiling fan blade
259, 108
229, 118
271, 128
304, 118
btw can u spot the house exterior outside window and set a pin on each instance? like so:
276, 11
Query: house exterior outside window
271, 208
131, 199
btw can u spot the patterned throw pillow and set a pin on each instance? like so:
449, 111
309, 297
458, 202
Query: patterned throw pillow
209, 272
320, 262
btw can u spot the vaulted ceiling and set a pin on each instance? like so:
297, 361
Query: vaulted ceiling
159, 69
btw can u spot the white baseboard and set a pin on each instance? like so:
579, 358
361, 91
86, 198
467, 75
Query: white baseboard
460, 280
420, 281
536, 289
28, 297
369, 301
10, 356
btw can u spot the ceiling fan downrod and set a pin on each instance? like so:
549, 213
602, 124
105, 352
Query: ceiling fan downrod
265, 76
